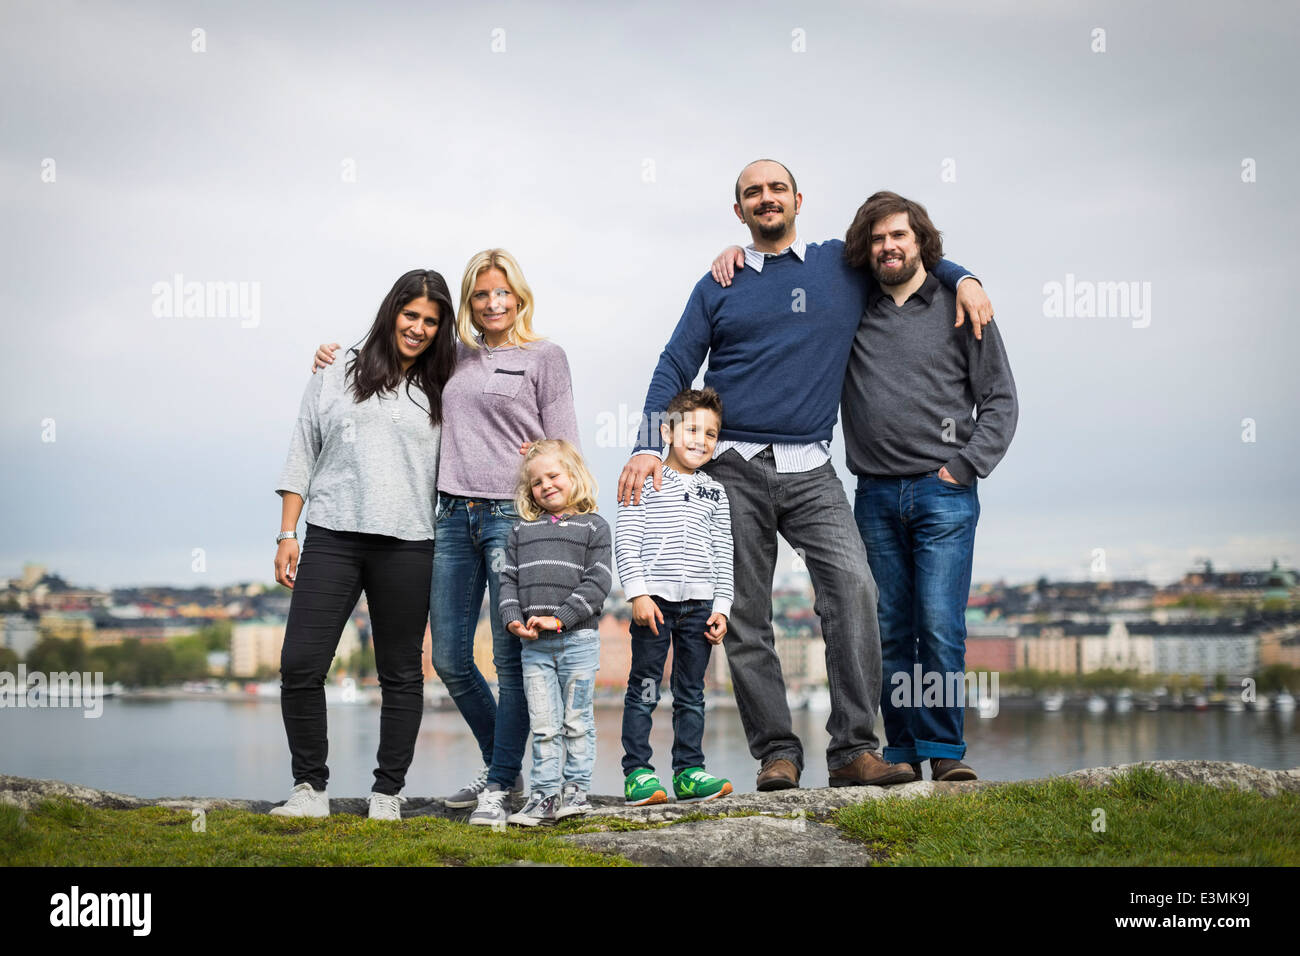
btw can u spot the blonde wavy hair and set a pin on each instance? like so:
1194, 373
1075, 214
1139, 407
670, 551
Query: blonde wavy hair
466, 327
582, 500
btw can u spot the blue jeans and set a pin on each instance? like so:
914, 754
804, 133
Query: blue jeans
468, 553
684, 626
919, 532
559, 677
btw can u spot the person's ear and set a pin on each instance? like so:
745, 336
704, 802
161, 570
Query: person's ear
666, 433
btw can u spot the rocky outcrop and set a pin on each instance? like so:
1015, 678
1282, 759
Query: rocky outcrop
1210, 773
733, 841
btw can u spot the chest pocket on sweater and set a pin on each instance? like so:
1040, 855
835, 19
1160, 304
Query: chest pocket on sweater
505, 382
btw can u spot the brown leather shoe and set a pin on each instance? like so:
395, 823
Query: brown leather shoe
778, 774
945, 768
871, 770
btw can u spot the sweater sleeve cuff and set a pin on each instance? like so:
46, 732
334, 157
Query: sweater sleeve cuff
511, 613
635, 588
568, 617
961, 470
722, 606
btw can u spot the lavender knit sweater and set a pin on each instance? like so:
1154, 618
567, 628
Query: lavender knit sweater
494, 402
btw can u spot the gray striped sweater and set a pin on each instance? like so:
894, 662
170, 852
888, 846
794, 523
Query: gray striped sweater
557, 568
676, 544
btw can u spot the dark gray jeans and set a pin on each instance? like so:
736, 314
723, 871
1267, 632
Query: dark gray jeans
810, 510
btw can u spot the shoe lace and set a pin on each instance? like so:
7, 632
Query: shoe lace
491, 799
300, 797
479, 783
387, 802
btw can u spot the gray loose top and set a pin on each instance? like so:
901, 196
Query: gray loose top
369, 467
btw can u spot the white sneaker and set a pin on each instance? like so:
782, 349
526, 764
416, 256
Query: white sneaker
385, 806
304, 802
491, 810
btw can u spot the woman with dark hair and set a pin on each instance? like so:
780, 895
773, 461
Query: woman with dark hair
365, 455
511, 388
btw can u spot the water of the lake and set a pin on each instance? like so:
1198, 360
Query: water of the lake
212, 748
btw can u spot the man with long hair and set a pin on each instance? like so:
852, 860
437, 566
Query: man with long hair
917, 450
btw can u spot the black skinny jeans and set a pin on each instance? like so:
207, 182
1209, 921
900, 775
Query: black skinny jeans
334, 568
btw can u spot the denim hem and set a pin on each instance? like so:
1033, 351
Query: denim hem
928, 749
901, 755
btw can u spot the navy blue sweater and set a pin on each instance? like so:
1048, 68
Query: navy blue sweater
777, 342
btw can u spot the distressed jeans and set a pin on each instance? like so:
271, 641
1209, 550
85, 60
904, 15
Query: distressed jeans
472, 535
559, 678
920, 537
810, 510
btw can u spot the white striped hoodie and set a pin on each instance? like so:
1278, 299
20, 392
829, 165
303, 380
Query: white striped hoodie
676, 544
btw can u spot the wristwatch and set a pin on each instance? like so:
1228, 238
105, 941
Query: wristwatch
285, 534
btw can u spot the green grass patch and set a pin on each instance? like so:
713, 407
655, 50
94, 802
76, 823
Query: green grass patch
62, 833
1149, 820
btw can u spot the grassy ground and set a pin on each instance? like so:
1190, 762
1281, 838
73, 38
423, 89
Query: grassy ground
1149, 821
68, 834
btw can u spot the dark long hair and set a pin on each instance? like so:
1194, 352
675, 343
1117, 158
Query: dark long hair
377, 366
857, 241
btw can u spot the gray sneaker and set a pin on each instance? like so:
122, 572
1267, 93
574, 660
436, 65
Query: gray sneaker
573, 801
468, 796
491, 809
540, 808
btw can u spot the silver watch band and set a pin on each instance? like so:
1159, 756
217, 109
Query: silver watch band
285, 534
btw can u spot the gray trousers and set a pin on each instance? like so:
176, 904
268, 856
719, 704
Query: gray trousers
810, 510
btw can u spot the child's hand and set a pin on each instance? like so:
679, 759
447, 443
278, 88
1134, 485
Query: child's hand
717, 627
538, 623
646, 612
523, 448
518, 629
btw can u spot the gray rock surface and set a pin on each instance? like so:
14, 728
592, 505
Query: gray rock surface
732, 841
1211, 773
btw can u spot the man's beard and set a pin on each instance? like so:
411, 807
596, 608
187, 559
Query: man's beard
896, 276
775, 231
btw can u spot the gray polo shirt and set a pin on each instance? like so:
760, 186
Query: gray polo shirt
912, 383
369, 467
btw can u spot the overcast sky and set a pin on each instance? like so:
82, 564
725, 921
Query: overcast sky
600, 146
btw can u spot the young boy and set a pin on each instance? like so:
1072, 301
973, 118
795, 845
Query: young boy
674, 557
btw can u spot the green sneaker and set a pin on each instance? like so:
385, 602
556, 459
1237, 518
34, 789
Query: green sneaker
641, 787
695, 784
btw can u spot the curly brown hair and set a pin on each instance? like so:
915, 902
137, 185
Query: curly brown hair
857, 241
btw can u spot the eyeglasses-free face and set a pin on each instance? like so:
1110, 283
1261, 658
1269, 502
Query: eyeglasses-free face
495, 306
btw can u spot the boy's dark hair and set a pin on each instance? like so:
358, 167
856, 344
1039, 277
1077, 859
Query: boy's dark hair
689, 400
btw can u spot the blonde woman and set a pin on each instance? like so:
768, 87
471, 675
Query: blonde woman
510, 387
